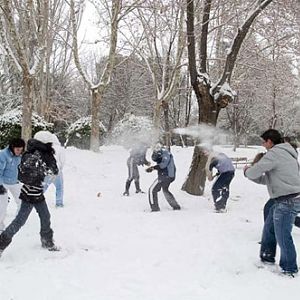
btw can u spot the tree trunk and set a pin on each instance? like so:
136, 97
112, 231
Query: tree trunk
195, 181
95, 132
157, 112
165, 106
27, 106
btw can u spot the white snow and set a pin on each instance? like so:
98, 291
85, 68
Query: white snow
113, 248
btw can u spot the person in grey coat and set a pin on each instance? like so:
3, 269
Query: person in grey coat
166, 171
136, 158
278, 169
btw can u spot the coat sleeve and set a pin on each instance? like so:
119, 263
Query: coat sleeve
258, 170
165, 160
2, 168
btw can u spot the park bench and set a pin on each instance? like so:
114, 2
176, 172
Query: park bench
240, 161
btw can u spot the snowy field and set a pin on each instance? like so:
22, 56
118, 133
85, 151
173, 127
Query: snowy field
114, 248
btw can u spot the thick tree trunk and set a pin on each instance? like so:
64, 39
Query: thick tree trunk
27, 106
195, 181
95, 132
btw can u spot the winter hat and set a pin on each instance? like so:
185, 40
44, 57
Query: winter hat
44, 136
16, 143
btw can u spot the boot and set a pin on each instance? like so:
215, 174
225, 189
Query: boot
137, 187
127, 186
49, 245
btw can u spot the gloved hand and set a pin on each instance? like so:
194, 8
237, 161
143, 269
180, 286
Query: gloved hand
2, 190
149, 170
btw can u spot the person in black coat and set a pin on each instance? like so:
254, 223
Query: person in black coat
37, 162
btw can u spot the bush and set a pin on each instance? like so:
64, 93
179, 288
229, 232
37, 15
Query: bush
133, 128
11, 126
79, 133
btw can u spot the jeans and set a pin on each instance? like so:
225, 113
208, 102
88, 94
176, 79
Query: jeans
267, 208
58, 182
220, 189
41, 207
278, 229
15, 190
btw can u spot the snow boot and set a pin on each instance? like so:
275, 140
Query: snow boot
49, 245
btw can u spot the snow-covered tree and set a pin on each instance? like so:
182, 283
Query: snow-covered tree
79, 133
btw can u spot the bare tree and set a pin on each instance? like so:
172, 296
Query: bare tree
211, 97
23, 31
160, 43
98, 87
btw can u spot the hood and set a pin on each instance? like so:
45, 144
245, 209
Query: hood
45, 136
34, 144
286, 147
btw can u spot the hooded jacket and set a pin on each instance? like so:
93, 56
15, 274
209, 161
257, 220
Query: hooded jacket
165, 163
8, 167
278, 169
48, 137
37, 162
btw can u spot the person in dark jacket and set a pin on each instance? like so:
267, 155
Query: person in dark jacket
136, 158
166, 171
225, 173
37, 162
279, 171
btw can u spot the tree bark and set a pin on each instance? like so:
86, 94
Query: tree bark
27, 106
95, 132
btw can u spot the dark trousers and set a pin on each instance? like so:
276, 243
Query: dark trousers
161, 183
220, 189
42, 209
268, 207
133, 174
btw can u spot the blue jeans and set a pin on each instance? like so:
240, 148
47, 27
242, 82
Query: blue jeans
220, 189
58, 182
41, 207
278, 229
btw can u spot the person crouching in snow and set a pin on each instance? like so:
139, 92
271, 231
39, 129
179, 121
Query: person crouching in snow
136, 158
225, 168
166, 175
37, 162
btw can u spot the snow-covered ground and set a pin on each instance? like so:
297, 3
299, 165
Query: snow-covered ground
113, 248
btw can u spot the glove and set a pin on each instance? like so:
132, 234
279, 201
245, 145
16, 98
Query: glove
2, 190
149, 170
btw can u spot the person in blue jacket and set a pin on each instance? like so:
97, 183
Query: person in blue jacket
225, 174
166, 171
10, 158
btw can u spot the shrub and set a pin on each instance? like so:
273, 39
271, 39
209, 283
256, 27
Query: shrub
11, 125
79, 133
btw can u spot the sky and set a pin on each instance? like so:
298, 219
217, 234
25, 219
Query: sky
114, 248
